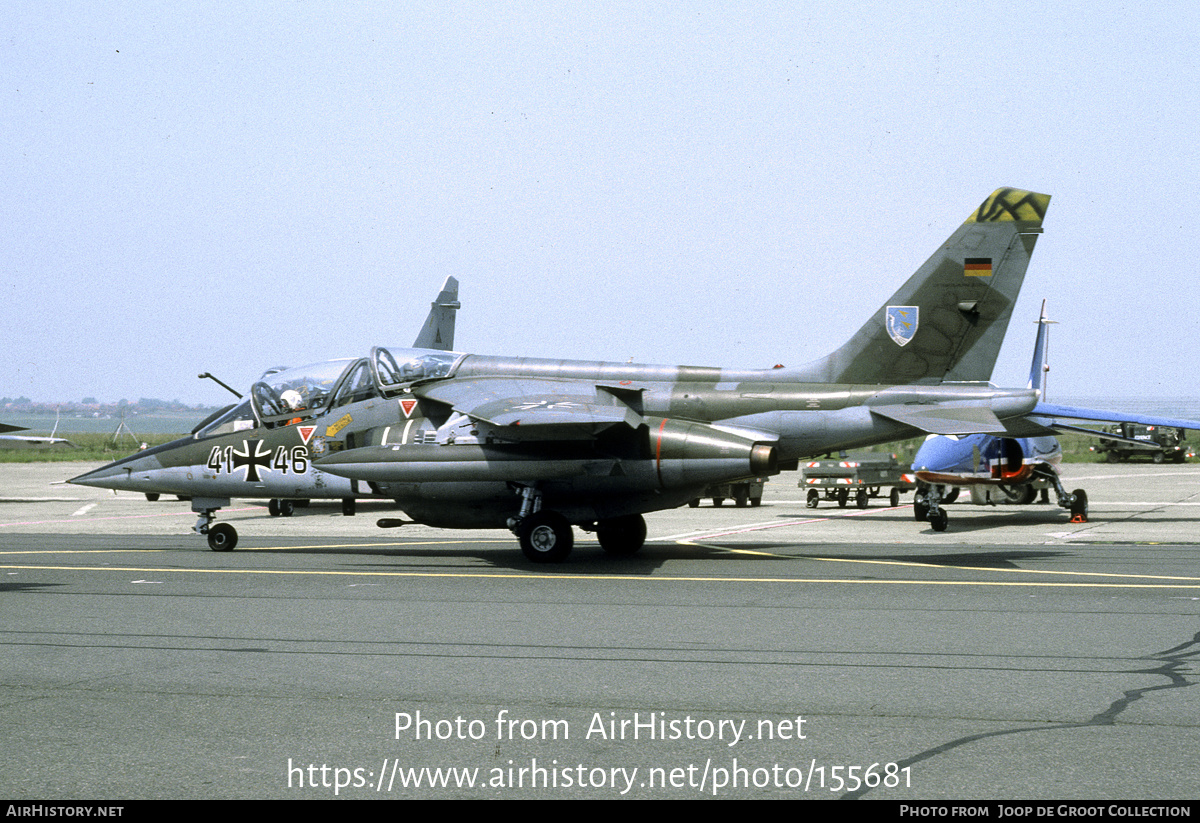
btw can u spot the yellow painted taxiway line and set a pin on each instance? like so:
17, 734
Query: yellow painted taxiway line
581, 578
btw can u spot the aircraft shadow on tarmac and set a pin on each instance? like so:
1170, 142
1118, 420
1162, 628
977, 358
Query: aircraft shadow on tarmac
1001, 559
28, 587
498, 555
589, 559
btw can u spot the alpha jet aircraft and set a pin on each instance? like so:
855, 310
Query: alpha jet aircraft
539, 446
1017, 467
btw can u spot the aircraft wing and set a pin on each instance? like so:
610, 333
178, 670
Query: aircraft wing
527, 409
1103, 435
943, 418
5, 427
1049, 414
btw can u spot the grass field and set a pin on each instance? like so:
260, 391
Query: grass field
89, 446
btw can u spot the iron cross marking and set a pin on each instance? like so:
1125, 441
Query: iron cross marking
252, 460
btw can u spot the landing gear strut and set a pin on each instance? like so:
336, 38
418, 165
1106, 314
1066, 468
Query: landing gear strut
1075, 502
546, 536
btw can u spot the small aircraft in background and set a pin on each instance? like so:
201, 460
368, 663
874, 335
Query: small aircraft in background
30, 441
1015, 467
541, 445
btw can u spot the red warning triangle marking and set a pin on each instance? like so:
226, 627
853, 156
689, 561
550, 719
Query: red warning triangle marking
306, 433
407, 406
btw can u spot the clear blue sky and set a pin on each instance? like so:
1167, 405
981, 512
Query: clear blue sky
208, 187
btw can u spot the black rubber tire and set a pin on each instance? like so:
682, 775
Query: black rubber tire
1079, 509
938, 521
622, 536
546, 537
222, 537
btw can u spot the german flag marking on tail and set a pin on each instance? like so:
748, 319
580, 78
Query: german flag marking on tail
977, 267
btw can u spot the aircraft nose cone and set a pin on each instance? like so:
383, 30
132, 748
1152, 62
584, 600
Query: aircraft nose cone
105, 477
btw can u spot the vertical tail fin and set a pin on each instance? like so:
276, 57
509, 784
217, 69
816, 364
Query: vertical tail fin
948, 320
1041, 363
438, 331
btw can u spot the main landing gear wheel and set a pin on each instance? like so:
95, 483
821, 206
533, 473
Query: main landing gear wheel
938, 521
349, 506
281, 508
622, 536
545, 537
1079, 509
152, 496
222, 537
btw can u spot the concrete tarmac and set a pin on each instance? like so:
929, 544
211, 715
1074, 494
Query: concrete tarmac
774, 652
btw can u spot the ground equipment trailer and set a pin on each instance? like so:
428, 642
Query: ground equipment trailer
860, 476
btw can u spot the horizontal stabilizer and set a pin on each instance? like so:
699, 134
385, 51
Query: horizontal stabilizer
942, 419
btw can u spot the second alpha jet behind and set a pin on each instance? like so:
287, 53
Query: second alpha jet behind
1016, 467
539, 446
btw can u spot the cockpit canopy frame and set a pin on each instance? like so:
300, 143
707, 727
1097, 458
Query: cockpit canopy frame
395, 368
285, 396
297, 394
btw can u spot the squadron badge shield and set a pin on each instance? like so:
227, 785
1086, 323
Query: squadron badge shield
901, 323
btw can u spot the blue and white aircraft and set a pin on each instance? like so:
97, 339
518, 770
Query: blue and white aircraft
1018, 467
